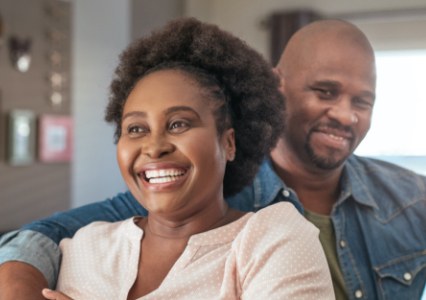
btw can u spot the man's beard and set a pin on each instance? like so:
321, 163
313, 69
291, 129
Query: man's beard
324, 163
329, 161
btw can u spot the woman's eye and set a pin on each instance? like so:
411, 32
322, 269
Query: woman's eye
136, 130
179, 126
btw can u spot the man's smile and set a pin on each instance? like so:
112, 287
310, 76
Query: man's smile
332, 136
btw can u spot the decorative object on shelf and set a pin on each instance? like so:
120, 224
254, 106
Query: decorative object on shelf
1, 31
21, 143
20, 53
55, 138
57, 38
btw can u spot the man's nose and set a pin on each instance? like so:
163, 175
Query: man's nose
342, 112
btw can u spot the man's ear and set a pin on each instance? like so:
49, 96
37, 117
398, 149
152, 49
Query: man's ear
281, 86
229, 143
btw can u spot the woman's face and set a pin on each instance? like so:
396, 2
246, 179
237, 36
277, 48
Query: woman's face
170, 154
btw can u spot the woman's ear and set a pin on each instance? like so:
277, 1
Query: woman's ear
281, 85
229, 143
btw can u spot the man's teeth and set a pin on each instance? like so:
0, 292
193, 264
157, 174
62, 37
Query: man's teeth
163, 176
335, 137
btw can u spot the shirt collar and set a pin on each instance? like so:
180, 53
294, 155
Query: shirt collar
353, 183
266, 184
269, 188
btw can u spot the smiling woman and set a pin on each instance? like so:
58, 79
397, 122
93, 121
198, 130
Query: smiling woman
170, 153
196, 110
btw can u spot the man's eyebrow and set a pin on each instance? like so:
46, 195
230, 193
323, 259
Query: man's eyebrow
328, 83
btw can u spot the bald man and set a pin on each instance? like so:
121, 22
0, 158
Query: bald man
371, 214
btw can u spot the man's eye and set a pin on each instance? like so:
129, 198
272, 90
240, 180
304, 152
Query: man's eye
362, 103
325, 93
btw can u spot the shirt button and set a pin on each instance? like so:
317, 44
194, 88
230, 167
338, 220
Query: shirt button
358, 294
286, 193
407, 276
342, 244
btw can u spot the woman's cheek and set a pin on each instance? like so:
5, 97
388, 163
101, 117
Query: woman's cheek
126, 155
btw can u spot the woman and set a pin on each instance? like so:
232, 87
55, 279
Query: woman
195, 110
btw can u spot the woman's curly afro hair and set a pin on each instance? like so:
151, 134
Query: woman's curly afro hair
216, 60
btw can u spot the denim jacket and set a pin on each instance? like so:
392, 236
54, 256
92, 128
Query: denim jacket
379, 221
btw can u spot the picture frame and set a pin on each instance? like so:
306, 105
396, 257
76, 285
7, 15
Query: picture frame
21, 141
55, 138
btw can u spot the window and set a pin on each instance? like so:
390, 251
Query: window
398, 127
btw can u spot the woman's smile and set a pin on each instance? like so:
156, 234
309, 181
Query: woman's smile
163, 177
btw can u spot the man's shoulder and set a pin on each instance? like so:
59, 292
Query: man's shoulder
383, 181
379, 168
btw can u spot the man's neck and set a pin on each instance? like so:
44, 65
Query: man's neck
317, 189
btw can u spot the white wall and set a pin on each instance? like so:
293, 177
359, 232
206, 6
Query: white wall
100, 33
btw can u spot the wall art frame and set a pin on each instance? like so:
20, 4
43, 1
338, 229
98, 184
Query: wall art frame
21, 141
55, 138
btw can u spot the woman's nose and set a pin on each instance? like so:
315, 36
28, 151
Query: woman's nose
156, 146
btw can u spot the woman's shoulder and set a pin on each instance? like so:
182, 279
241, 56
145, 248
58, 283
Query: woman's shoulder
280, 221
283, 214
99, 234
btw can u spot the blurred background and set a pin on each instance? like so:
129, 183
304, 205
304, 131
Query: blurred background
57, 60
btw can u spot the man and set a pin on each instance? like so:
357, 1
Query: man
371, 214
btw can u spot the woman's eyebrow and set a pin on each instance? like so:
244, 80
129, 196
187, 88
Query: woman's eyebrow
181, 108
168, 111
134, 114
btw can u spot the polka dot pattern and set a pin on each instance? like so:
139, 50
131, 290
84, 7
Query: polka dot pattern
272, 254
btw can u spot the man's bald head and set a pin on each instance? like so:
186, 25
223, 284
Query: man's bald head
328, 79
324, 37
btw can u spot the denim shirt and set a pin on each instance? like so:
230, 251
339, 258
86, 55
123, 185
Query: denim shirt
379, 221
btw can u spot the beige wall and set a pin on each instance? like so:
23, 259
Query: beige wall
36, 189
242, 17
246, 18
148, 14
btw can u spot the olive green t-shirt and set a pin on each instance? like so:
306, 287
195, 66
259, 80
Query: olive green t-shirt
328, 242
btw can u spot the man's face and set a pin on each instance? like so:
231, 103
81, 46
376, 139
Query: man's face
329, 105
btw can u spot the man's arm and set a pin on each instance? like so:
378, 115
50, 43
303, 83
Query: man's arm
20, 281
65, 224
31, 248
36, 245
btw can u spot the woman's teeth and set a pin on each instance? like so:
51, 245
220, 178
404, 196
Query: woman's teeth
163, 176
